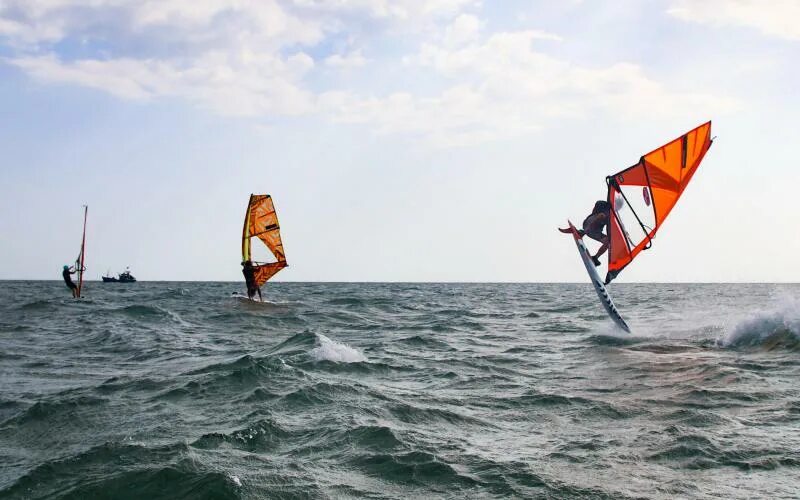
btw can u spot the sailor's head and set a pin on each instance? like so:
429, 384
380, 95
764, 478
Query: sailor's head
66, 267
247, 263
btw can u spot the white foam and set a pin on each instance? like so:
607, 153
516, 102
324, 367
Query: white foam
330, 350
783, 319
235, 479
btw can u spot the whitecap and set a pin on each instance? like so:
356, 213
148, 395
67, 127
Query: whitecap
762, 325
330, 350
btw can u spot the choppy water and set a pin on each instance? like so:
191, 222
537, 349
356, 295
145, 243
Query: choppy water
176, 390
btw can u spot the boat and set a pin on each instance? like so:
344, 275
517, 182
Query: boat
261, 221
125, 277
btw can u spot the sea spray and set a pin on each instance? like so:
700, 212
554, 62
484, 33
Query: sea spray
330, 350
766, 327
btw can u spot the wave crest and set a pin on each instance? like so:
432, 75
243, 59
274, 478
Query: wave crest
776, 329
330, 350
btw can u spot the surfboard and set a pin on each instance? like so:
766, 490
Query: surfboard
594, 276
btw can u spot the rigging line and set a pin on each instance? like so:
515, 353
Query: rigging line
644, 228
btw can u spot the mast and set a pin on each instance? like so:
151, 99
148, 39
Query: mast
82, 255
246, 231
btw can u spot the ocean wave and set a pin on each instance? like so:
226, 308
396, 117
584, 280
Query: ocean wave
38, 305
296, 344
694, 451
123, 471
154, 314
776, 329
413, 468
424, 341
320, 393
346, 301
373, 437
398, 394
60, 406
263, 435
416, 414
361, 439
615, 338
331, 350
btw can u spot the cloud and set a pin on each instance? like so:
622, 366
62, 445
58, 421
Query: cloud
777, 18
503, 86
257, 58
244, 85
464, 29
403, 10
352, 60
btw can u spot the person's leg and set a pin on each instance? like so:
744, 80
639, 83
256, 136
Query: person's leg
603, 248
603, 240
261, 299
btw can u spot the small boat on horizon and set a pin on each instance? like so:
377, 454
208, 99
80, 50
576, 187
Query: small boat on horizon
125, 277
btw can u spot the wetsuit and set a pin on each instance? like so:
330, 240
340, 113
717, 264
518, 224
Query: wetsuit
593, 225
68, 280
250, 280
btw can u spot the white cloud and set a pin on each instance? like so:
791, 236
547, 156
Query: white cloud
248, 85
778, 18
354, 59
251, 58
504, 87
403, 10
464, 29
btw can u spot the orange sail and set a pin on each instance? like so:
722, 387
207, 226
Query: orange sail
261, 221
644, 194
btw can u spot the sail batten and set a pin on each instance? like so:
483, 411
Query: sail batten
261, 222
643, 195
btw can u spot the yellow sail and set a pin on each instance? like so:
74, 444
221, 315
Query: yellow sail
261, 221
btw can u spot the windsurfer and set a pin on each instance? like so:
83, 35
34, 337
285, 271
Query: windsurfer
593, 226
68, 280
250, 280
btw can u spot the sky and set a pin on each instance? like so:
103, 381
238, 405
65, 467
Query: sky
401, 140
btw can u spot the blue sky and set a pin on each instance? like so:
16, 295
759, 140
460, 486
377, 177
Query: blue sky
405, 140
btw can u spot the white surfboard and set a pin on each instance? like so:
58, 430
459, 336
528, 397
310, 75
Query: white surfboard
599, 287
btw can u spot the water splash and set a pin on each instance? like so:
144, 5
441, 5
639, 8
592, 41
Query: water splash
774, 328
330, 350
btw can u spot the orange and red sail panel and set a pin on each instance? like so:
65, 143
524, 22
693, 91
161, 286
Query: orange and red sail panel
643, 195
261, 221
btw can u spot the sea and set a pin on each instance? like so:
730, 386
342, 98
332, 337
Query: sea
167, 390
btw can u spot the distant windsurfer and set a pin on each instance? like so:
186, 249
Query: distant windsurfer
593, 226
66, 274
250, 280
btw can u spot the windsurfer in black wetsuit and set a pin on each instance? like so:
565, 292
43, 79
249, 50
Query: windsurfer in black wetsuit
593, 226
68, 280
250, 280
